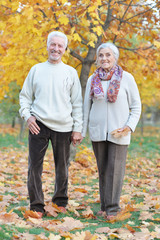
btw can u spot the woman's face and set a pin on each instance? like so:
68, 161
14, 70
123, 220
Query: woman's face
106, 59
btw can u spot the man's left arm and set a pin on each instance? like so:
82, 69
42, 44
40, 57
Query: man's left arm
134, 103
76, 100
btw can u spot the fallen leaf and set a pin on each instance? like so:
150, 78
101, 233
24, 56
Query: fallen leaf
51, 211
103, 230
8, 217
54, 237
82, 190
69, 224
32, 214
88, 213
130, 228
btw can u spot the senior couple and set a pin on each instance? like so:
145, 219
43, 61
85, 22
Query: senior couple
51, 104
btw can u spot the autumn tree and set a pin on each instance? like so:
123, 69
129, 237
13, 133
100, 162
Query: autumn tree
131, 24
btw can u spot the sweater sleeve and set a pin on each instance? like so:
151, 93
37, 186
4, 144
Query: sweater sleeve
134, 103
86, 107
26, 96
76, 100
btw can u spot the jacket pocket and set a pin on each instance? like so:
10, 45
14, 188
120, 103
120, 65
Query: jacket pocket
94, 133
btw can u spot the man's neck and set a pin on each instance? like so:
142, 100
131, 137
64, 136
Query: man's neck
54, 62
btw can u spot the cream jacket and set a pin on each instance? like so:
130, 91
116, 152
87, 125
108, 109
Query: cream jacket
102, 117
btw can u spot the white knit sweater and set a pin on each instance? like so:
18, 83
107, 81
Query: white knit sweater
52, 93
103, 117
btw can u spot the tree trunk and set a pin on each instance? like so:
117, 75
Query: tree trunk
13, 122
86, 65
22, 128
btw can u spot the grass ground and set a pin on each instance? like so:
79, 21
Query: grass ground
146, 145
140, 200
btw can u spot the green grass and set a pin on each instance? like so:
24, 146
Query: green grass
146, 145
8, 140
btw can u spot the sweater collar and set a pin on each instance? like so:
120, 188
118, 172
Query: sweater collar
54, 64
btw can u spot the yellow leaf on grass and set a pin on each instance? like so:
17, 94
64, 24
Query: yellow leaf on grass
32, 214
80, 190
54, 237
103, 230
114, 235
66, 235
51, 211
120, 217
156, 219
1, 198
88, 213
157, 206
69, 224
130, 228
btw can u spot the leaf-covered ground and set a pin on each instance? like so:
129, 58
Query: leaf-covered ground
140, 200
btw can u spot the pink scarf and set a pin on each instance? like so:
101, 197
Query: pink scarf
115, 75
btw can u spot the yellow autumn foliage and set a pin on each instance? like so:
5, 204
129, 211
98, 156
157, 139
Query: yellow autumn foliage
25, 26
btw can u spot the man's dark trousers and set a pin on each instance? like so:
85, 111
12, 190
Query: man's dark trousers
38, 145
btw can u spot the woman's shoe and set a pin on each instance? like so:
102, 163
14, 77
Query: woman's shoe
101, 213
110, 217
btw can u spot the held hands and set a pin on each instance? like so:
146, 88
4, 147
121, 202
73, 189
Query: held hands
33, 126
76, 138
121, 132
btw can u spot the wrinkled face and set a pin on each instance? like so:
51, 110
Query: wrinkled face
56, 49
106, 59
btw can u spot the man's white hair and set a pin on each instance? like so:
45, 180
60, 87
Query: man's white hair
112, 46
58, 34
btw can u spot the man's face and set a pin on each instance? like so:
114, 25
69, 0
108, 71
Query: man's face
56, 49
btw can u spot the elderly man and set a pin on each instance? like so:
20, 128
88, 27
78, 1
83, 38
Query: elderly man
51, 104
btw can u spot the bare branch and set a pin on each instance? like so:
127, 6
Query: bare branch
141, 13
108, 18
54, 15
122, 19
136, 49
78, 65
76, 55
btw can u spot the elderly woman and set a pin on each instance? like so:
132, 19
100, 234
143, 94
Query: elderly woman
112, 109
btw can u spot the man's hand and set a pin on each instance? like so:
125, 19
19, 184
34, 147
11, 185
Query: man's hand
76, 138
32, 125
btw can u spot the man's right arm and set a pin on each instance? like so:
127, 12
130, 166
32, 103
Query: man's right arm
26, 98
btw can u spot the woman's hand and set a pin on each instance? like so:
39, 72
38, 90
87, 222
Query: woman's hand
32, 125
125, 130
121, 132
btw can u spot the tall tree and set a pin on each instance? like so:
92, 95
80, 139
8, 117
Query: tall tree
131, 24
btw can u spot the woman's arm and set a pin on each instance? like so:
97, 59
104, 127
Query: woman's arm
86, 107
